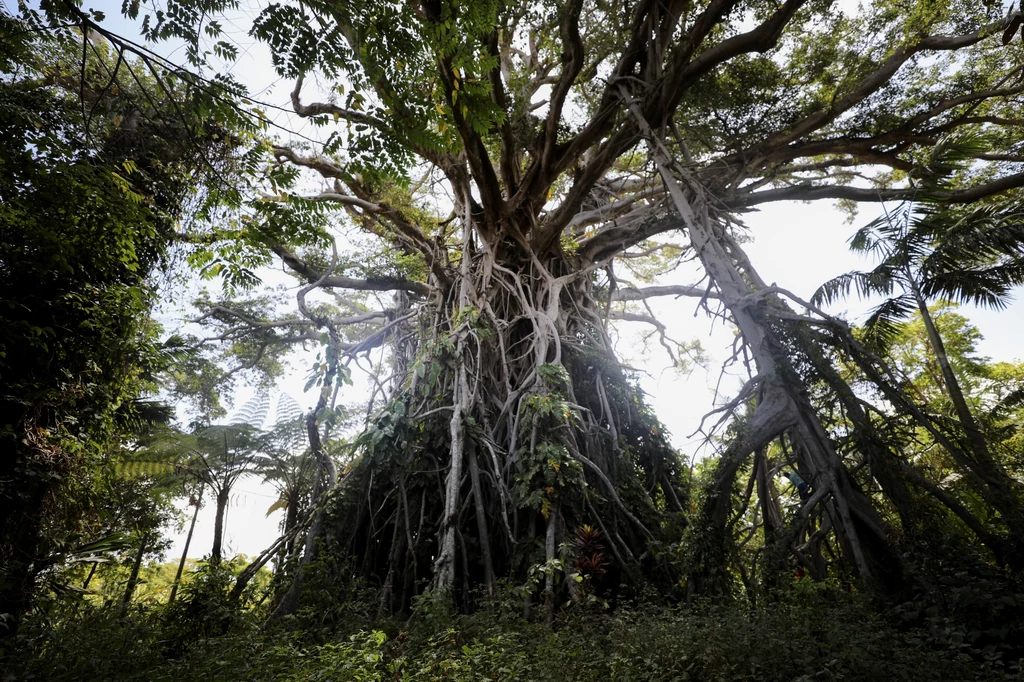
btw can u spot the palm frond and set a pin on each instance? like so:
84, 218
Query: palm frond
887, 320
864, 240
879, 281
1012, 401
987, 288
954, 152
981, 233
146, 469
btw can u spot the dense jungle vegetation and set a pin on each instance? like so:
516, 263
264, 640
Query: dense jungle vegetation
468, 199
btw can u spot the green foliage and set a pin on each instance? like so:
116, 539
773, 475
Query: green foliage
76, 343
913, 355
991, 390
545, 472
423, 82
336, 601
811, 632
96, 178
547, 468
963, 606
929, 249
202, 609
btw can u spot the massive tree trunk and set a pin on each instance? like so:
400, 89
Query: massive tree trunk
514, 398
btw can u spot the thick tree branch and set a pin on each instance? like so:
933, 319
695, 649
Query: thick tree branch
572, 63
631, 294
395, 225
809, 192
871, 83
685, 72
507, 164
336, 281
322, 165
223, 312
322, 108
615, 239
660, 104
613, 209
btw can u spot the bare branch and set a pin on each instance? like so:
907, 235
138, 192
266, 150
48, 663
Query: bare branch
613, 209
809, 192
320, 108
631, 294
336, 281
219, 311
320, 164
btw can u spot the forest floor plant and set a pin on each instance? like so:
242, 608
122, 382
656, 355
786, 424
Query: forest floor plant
808, 632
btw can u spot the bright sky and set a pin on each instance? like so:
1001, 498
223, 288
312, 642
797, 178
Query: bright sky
798, 246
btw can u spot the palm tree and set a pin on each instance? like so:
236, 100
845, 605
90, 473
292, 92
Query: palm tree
286, 463
223, 454
214, 456
929, 250
291, 469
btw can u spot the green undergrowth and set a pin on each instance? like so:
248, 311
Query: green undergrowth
812, 633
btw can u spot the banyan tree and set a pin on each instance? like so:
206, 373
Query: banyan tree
501, 165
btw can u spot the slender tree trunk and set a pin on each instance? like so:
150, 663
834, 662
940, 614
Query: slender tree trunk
1005, 493
326, 480
481, 521
133, 577
223, 495
993, 485
963, 412
387, 593
88, 578
254, 566
291, 518
550, 540
775, 556
188, 543
444, 565
531, 533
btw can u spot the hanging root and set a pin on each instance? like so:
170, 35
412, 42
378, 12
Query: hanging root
513, 421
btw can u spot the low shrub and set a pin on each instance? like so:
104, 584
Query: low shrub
810, 633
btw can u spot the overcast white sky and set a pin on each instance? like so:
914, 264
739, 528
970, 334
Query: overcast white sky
796, 245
